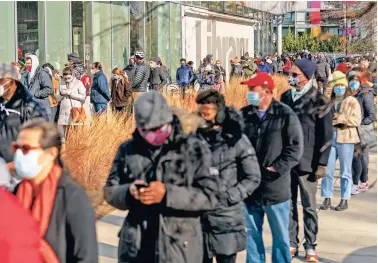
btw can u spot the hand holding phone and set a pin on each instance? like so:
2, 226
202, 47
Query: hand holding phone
135, 187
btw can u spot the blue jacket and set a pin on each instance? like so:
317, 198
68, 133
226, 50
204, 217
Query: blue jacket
264, 68
100, 91
184, 76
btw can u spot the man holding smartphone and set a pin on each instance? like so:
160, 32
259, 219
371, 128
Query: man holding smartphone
162, 177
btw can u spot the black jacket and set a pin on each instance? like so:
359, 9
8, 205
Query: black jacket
13, 113
170, 231
158, 78
366, 100
278, 140
72, 228
140, 78
130, 72
315, 114
234, 159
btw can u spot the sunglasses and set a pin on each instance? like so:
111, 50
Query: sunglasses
24, 148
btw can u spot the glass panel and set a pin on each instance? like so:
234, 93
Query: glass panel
163, 32
136, 26
175, 39
227, 7
27, 27
239, 10
101, 28
7, 31
205, 4
120, 39
78, 36
57, 41
151, 30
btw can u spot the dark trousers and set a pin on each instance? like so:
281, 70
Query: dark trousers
221, 259
360, 166
307, 186
322, 85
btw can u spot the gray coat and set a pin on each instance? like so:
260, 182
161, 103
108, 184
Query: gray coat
322, 69
239, 176
140, 78
169, 232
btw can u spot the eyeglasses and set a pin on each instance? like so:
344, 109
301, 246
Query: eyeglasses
24, 148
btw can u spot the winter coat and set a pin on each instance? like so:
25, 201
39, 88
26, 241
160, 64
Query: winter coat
264, 68
52, 99
183, 165
78, 69
40, 86
130, 72
278, 141
121, 92
100, 91
347, 120
220, 74
280, 66
158, 78
315, 114
140, 78
19, 109
322, 69
274, 66
20, 240
206, 81
71, 232
184, 76
71, 95
236, 70
366, 100
249, 68
239, 176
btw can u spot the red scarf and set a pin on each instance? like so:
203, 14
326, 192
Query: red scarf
42, 207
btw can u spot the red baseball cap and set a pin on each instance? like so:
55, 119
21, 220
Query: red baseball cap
260, 79
343, 67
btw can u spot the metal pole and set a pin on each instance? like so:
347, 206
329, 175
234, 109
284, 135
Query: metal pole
346, 29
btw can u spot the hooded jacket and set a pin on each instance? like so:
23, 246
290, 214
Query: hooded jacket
13, 113
184, 76
264, 68
322, 69
239, 176
100, 91
39, 83
170, 231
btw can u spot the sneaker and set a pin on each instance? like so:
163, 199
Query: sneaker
363, 187
311, 255
355, 189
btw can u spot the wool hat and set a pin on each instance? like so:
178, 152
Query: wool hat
8, 71
338, 78
307, 67
73, 56
343, 67
151, 111
260, 79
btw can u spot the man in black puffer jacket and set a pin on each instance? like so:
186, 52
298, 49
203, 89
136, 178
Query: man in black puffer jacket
141, 75
238, 176
158, 77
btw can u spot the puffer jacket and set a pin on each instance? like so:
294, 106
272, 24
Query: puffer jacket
140, 78
100, 91
322, 69
206, 81
239, 175
365, 98
220, 74
158, 78
171, 229
264, 68
13, 113
184, 76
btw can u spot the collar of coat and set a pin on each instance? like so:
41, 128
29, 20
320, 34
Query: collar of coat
272, 110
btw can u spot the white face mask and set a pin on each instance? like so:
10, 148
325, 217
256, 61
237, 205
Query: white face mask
2, 89
27, 165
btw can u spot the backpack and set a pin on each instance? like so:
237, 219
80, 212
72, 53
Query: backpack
87, 82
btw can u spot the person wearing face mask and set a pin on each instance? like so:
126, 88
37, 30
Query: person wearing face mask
157, 78
38, 81
121, 91
54, 104
250, 66
361, 157
72, 94
141, 76
315, 115
130, 69
162, 177
275, 132
238, 175
206, 79
16, 107
262, 66
184, 75
347, 118
61, 208
220, 77
100, 95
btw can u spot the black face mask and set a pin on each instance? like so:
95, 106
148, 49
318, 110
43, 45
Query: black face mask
206, 126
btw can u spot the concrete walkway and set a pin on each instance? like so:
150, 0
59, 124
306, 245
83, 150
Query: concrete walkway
344, 237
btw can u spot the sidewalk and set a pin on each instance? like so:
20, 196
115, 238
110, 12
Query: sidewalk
344, 237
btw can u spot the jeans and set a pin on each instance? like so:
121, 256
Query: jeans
100, 107
343, 152
278, 218
307, 184
322, 85
361, 166
222, 259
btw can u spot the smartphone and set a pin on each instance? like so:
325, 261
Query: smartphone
138, 186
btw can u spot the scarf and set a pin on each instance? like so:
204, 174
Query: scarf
42, 207
297, 94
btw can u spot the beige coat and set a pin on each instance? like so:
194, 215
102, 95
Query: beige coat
350, 116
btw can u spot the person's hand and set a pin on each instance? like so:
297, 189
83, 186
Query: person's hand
11, 168
153, 194
271, 169
320, 172
134, 190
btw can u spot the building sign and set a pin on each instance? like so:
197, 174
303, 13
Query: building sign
87, 52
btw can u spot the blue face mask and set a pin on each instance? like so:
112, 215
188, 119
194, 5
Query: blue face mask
354, 85
293, 81
253, 98
339, 90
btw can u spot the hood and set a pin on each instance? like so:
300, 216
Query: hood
35, 64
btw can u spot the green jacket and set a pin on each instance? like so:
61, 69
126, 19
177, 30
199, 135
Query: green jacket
250, 68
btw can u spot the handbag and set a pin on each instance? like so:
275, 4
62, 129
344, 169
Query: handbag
78, 114
367, 136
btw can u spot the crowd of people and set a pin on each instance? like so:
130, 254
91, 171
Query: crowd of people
192, 183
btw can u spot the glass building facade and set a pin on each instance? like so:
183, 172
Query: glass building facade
107, 31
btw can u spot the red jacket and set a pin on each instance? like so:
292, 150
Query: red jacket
19, 232
287, 66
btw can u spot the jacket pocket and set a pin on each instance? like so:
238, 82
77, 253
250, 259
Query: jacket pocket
130, 238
